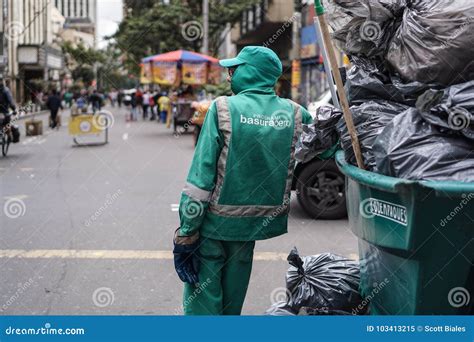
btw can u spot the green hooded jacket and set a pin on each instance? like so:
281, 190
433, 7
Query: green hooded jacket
239, 184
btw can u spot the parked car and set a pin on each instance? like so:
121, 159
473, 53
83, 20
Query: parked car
318, 183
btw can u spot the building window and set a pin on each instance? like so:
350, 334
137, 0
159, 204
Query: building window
250, 19
258, 15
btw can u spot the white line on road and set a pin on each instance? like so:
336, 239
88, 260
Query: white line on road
19, 197
175, 207
112, 254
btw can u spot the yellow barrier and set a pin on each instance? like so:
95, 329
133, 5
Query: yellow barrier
83, 124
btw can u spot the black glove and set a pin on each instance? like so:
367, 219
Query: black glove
186, 259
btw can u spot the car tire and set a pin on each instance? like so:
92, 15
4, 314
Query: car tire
321, 190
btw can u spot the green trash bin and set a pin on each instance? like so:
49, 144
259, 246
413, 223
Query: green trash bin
416, 242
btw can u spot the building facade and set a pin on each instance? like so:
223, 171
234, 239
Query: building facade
31, 50
80, 15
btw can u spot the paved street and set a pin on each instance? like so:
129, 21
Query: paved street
89, 230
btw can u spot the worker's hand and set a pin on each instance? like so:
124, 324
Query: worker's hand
186, 259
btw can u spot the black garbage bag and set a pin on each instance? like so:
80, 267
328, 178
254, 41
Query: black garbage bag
434, 42
410, 147
424, 41
326, 283
281, 308
370, 118
451, 109
369, 80
364, 28
15, 133
319, 136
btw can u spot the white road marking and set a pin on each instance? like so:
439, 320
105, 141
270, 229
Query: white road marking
118, 254
20, 197
174, 207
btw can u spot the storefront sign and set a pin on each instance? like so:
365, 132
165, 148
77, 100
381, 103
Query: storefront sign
165, 73
309, 47
145, 73
295, 73
194, 73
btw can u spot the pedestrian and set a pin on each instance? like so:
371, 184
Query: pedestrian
67, 97
120, 96
113, 97
95, 99
139, 100
239, 184
146, 104
6, 103
152, 107
164, 104
134, 106
54, 104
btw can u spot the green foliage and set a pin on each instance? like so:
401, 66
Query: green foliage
221, 89
82, 55
84, 74
159, 28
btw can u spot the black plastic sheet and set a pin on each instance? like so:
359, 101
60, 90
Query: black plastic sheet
323, 284
319, 136
369, 80
370, 118
410, 147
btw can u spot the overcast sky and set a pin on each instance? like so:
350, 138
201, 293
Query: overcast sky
109, 14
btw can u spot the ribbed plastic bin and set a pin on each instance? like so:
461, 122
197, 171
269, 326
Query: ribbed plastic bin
416, 242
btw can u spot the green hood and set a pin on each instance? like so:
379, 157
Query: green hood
259, 68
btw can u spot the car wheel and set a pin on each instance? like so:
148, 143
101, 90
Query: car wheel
321, 190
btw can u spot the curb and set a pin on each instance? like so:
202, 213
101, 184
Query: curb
30, 115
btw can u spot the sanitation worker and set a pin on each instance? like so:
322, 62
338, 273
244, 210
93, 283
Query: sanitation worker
238, 187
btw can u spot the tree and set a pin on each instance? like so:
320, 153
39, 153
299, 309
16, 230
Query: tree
175, 25
81, 61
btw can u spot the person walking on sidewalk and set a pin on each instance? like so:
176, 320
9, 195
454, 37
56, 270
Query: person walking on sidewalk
54, 104
239, 184
164, 106
146, 104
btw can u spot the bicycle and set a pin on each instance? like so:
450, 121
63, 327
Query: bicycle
5, 133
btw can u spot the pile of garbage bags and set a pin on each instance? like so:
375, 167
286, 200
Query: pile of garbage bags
323, 284
425, 41
410, 87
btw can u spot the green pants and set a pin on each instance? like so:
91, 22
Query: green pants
223, 278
